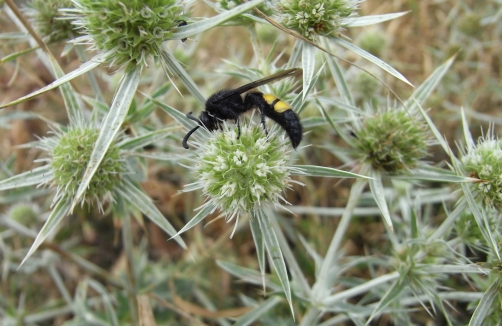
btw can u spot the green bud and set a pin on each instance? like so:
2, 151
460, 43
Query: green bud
392, 141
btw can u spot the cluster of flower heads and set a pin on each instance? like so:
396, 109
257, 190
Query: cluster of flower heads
484, 162
71, 152
240, 174
316, 17
392, 141
132, 29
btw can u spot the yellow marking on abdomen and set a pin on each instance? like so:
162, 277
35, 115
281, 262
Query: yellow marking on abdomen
279, 106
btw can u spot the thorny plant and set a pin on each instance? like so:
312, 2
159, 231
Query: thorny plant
415, 261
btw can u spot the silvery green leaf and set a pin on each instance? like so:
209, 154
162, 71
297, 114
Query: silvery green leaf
420, 174
17, 54
110, 127
423, 91
322, 171
469, 141
259, 245
303, 287
107, 301
390, 296
248, 275
308, 66
325, 278
139, 142
36, 176
336, 72
253, 315
93, 63
172, 66
371, 58
485, 304
203, 213
170, 157
136, 197
58, 212
378, 194
15, 36
275, 254
203, 25
181, 118
482, 219
435, 131
372, 19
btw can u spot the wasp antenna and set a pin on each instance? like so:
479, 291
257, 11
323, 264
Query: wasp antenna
185, 139
191, 117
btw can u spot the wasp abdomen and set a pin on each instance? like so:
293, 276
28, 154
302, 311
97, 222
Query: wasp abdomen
279, 111
278, 105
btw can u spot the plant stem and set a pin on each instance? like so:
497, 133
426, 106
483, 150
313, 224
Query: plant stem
127, 241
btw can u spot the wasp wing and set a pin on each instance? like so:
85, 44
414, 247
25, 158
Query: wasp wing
263, 81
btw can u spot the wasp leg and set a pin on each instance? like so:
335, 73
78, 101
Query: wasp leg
262, 115
238, 128
256, 100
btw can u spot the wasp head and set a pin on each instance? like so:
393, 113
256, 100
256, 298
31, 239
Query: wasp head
210, 122
205, 120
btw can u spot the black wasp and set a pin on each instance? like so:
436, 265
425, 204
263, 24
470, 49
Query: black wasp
229, 104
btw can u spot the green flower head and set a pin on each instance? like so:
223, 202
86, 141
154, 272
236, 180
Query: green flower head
484, 162
316, 17
240, 174
49, 21
70, 153
133, 30
392, 141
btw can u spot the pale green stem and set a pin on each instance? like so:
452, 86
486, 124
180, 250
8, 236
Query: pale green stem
255, 43
127, 241
294, 268
323, 284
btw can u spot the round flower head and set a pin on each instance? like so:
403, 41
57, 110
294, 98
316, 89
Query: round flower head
316, 17
392, 141
485, 163
48, 20
71, 152
470, 25
131, 29
240, 174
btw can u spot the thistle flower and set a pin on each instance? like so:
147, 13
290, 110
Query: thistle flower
315, 17
470, 25
48, 20
483, 161
24, 213
132, 29
69, 156
392, 140
366, 86
241, 174
373, 41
